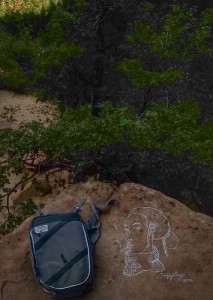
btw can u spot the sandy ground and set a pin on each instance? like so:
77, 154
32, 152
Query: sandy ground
21, 109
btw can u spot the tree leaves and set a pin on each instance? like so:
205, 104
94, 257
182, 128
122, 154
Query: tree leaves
141, 78
49, 47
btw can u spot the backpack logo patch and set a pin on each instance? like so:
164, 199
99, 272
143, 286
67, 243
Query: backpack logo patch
41, 228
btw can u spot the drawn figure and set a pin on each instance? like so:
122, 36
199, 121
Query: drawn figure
145, 226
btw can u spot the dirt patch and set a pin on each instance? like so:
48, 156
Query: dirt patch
17, 109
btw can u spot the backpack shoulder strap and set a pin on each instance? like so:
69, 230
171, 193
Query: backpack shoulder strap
77, 208
93, 224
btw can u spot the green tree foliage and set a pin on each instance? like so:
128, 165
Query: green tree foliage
49, 47
148, 7
173, 128
178, 38
17, 216
141, 78
33, 7
202, 33
25, 6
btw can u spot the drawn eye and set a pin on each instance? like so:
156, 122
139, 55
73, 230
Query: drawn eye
137, 226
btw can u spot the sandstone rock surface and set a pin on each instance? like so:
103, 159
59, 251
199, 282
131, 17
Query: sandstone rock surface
151, 247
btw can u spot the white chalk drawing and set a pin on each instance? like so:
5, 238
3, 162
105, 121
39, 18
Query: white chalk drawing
181, 277
145, 227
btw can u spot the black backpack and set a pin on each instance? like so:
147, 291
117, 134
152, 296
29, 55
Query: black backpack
61, 247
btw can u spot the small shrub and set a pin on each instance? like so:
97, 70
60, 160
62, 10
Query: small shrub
17, 215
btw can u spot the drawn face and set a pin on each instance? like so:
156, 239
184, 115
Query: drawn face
145, 226
136, 230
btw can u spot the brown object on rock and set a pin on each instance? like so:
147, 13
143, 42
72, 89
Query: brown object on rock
151, 247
